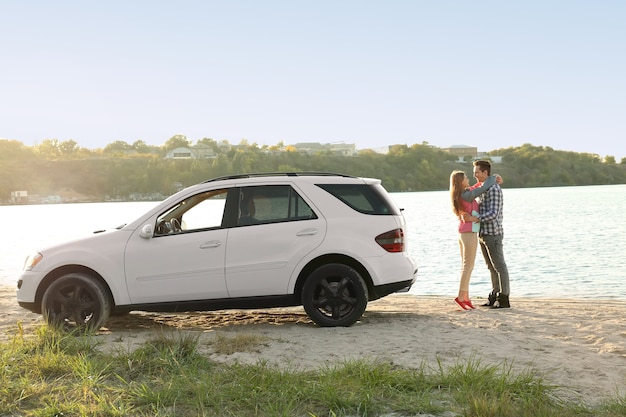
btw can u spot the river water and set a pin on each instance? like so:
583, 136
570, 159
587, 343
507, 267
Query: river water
565, 242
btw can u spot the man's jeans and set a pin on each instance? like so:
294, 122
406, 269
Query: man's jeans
491, 246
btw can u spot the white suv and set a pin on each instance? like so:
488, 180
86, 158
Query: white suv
325, 241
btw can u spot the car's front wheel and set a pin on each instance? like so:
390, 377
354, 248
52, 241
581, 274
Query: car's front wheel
334, 295
76, 300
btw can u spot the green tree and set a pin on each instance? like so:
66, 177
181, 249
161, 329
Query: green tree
211, 143
177, 141
141, 147
13, 149
119, 148
68, 148
121, 170
48, 148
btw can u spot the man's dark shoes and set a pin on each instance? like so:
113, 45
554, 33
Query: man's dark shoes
501, 302
491, 299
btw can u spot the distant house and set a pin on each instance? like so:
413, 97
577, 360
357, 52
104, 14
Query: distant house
19, 197
383, 150
345, 149
492, 158
312, 148
308, 148
180, 153
200, 151
462, 150
224, 146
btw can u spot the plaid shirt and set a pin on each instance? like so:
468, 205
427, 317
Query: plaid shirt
490, 204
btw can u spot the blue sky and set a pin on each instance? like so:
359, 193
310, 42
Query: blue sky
490, 74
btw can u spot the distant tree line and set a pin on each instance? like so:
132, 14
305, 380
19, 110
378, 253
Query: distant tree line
121, 170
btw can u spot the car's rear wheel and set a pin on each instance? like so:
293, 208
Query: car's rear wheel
334, 295
76, 300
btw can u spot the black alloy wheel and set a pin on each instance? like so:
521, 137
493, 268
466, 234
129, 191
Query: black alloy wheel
334, 295
76, 301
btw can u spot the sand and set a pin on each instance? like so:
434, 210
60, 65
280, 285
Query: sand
575, 344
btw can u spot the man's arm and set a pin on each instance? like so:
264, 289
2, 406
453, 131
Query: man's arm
473, 192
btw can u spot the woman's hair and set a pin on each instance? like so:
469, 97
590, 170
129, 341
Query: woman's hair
456, 188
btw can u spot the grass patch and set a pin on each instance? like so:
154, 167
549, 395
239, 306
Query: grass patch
60, 374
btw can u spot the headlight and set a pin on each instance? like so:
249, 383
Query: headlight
32, 260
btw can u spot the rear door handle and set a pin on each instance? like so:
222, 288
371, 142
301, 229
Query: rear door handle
307, 232
211, 244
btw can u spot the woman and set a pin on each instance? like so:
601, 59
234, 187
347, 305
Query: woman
464, 204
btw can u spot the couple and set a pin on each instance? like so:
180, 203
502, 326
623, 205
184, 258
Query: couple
479, 209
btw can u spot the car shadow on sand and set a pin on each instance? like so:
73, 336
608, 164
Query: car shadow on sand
210, 320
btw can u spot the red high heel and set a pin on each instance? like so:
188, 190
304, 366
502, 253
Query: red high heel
461, 304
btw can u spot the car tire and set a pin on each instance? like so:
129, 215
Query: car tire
334, 295
78, 301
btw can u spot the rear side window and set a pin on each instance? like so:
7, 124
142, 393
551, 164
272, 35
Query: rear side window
364, 198
271, 204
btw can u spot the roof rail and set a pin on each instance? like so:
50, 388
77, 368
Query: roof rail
277, 174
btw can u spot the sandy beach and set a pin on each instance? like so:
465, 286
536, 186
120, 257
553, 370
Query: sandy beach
579, 345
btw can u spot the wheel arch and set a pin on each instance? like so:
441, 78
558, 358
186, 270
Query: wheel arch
330, 259
64, 270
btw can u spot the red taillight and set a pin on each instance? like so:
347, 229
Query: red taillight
392, 241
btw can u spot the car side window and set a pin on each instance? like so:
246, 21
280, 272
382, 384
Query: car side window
366, 199
271, 204
199, 212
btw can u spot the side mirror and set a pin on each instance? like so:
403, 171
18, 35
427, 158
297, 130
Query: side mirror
146, 231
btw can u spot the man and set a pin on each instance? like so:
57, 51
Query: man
491, 236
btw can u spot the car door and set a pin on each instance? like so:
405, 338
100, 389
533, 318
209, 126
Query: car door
183, 260
264, 250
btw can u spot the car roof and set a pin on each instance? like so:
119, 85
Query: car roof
282, 177
279, 174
